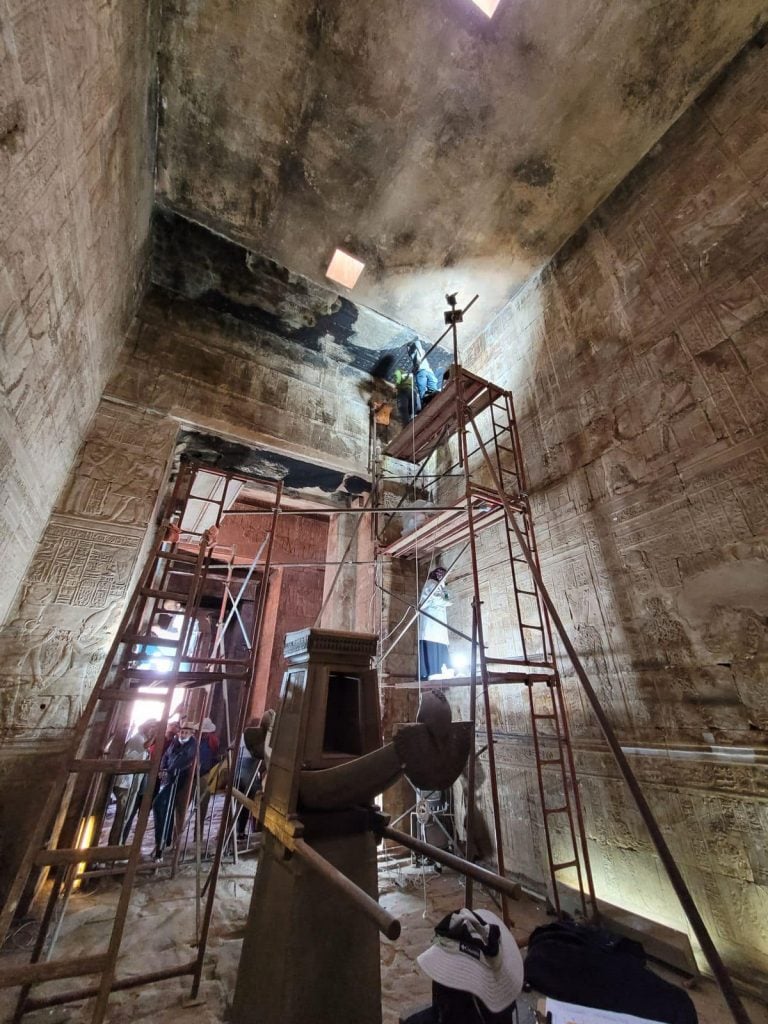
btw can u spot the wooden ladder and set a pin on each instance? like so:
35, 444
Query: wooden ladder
59, 849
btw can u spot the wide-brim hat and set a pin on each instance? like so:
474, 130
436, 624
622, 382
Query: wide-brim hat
208, 726
474, 951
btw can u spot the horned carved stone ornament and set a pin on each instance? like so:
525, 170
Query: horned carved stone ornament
311, 947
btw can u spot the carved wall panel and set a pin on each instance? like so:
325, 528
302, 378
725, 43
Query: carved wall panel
639, 365
76, 586
76, 191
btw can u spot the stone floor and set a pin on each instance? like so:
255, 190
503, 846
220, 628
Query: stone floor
161, 929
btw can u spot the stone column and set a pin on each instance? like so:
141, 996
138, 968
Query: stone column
71, 601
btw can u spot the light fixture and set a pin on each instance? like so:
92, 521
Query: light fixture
344, 269
487, 6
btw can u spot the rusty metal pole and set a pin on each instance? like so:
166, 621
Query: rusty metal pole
470, 822
463, 417
239, 728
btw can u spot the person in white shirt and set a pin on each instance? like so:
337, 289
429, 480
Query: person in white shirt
433, 635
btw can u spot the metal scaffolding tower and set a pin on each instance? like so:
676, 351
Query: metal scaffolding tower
472, 422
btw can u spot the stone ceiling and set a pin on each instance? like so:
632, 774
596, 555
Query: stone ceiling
446, 150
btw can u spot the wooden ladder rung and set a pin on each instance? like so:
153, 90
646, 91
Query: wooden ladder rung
165, 595
564, 865
217, 674
51, 970
556, 810
147, 639
178, 556
118, 985
115, 694
114, 765
87, 855
551, 760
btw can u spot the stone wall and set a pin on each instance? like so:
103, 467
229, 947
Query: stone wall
76, 153
638, 363
71, 601
202, 367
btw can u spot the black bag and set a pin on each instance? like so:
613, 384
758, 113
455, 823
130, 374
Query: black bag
592, 967
452, 1006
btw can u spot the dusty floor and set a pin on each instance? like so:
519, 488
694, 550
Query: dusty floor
161, 929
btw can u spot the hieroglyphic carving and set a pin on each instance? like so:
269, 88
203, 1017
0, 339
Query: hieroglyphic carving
116, 476
643, 418
80, 576
84, 568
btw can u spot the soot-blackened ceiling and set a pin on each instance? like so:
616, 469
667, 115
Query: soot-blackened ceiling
211, 270
300, 478
446, 150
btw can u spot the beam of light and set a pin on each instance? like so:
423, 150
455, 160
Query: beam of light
83, 841
459, 660
344, 269
487, 6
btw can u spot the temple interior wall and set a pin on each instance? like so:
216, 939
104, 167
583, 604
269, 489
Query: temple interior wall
638, 364
179, 368
76, 131
70, 603
637, 361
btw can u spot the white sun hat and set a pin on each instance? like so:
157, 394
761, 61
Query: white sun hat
474, 951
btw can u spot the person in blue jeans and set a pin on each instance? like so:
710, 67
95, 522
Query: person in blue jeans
423, 375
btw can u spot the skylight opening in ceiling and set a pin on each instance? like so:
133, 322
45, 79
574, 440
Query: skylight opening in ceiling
487, 6
344, 269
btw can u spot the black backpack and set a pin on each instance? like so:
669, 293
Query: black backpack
452, 1006
592, 967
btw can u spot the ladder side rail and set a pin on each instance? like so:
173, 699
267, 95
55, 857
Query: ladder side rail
205, 576
572, 799
499, 429
172, 679
549, 645
682, 891
218, 650
121, 911
568, 797
57, 802
471, 766
543, 798
462, 415
103, 733
245, 696
61, 890
571, 795
66, 874
512, 564
193, 598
